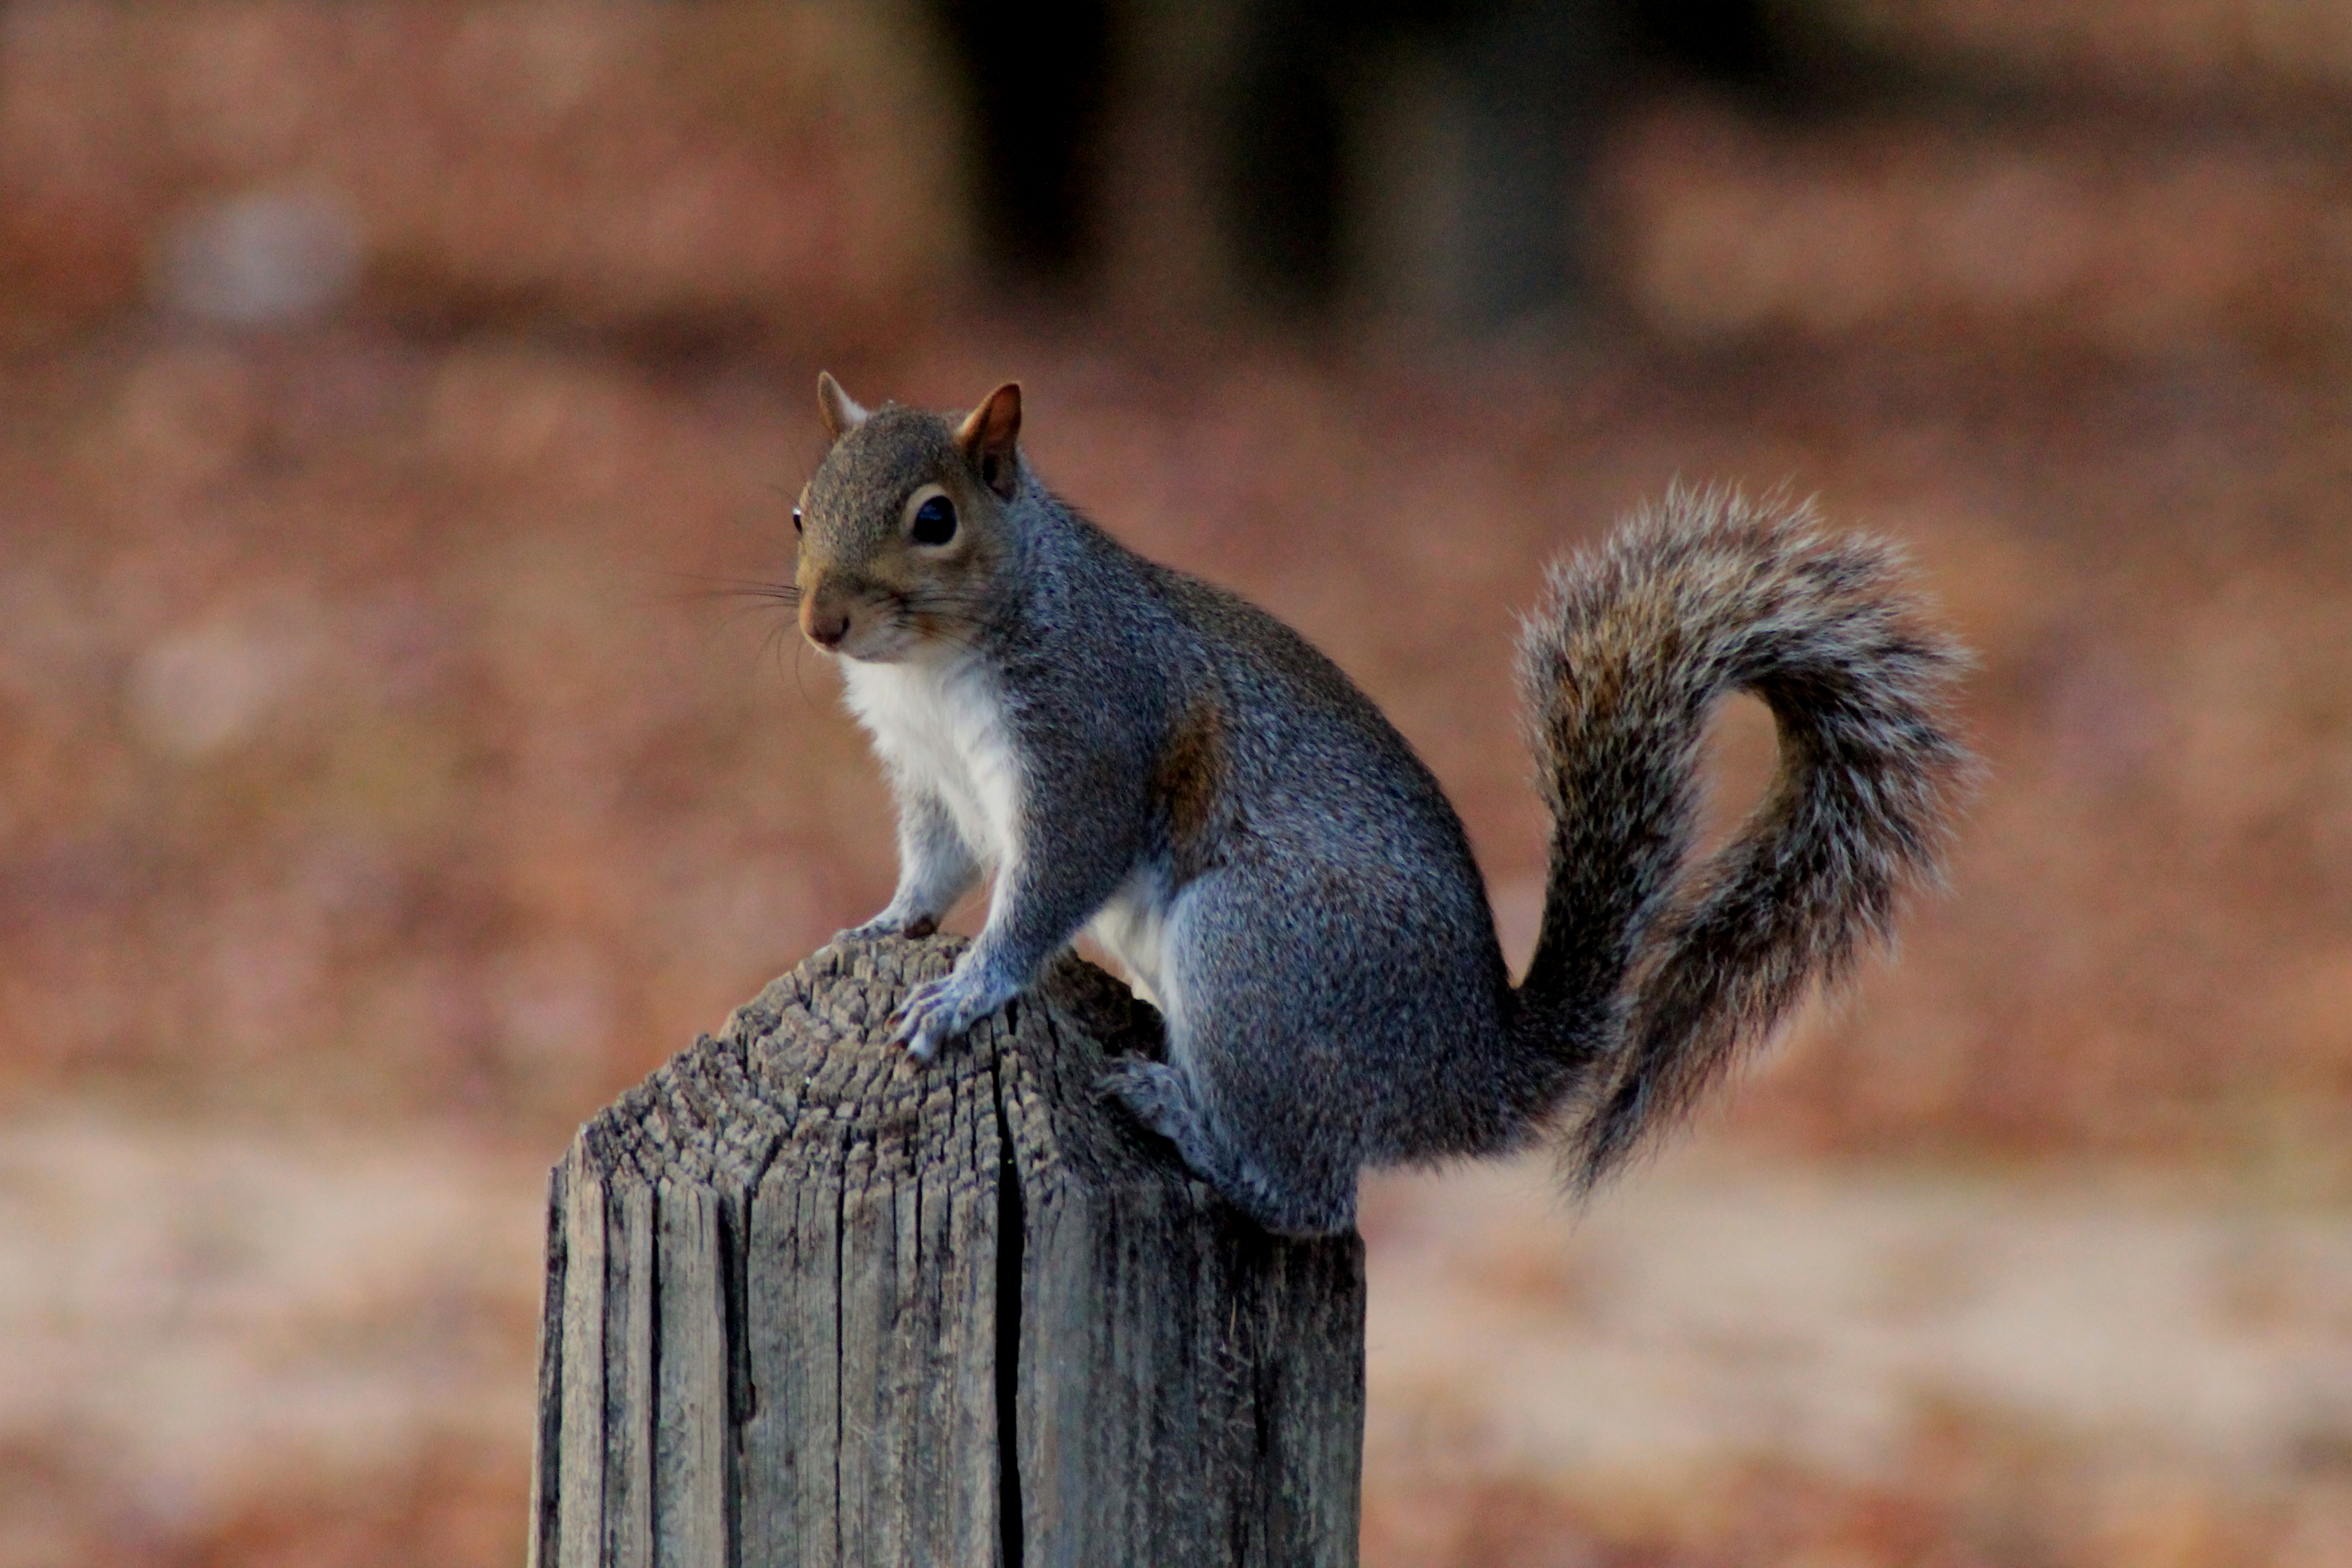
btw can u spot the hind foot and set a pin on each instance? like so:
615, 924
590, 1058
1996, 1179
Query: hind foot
1162, 1098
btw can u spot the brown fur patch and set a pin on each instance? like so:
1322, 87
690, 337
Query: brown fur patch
1189, 783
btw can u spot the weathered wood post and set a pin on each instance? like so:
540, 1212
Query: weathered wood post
806, 1305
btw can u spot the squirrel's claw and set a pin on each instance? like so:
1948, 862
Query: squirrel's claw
939, 1010
889, 922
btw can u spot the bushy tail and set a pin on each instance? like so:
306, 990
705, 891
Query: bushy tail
1648, 980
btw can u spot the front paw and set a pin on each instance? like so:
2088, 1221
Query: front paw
938, 1010
889, 922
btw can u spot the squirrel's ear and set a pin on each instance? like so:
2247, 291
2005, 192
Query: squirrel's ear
842, 414
988, 439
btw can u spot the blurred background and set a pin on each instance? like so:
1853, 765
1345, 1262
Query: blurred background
394, 397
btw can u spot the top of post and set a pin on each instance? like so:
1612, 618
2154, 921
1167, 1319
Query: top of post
806, 1070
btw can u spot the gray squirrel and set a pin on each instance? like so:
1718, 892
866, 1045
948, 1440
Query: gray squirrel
1137, 754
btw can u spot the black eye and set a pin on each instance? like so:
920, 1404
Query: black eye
796, 519
935, 522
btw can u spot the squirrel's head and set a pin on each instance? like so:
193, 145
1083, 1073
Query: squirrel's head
902, 530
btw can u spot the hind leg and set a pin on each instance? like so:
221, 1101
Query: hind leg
1287, 1201
1239, 1095
1162, 1098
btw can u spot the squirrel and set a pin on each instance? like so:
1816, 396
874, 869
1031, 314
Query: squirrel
1137, 754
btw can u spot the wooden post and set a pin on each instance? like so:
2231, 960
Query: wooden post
809, 1304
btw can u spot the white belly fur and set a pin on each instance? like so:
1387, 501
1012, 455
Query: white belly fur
1134, 928
939, 728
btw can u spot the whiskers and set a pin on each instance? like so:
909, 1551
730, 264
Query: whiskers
744, 596
757, 593
960, 617
953, 617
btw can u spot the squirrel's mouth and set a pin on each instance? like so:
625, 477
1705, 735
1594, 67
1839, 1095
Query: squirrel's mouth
880, 641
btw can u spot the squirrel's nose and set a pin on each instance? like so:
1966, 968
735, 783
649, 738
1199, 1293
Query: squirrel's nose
826, 627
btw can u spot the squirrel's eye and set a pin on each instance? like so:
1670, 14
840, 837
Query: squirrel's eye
935, 522
796, 519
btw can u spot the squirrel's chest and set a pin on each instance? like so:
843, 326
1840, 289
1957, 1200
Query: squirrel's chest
944, 732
